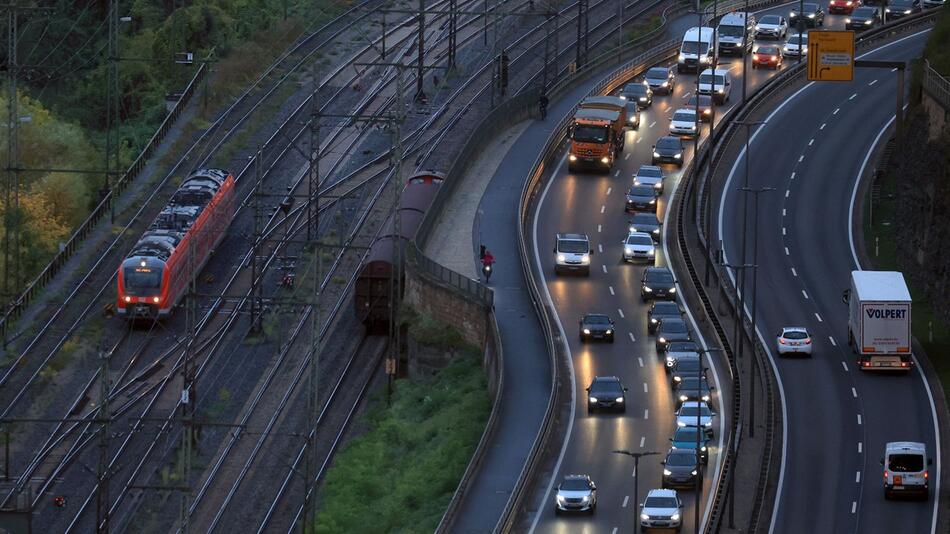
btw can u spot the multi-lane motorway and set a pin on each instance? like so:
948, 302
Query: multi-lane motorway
594, 204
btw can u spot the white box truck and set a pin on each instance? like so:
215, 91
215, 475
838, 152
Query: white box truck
879, 320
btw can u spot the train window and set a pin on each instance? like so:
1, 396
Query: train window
142, 282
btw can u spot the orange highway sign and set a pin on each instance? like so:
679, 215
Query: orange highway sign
830, 56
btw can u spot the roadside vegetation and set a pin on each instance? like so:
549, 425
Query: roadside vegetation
400, 474
908, 228
62, 93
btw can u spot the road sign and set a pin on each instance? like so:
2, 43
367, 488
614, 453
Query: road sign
830, 56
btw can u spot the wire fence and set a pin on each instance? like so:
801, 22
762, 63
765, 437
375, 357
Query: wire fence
937, 86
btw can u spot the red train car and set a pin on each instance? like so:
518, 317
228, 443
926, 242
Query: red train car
154, 276
373, 285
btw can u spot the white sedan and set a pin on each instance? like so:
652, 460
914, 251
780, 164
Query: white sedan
797, 45
639, 246
684, 122
793, 340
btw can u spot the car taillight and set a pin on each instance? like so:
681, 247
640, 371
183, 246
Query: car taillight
885, 475
926, 475
904, 364
781, 340
865, 364
808, 341
755, 57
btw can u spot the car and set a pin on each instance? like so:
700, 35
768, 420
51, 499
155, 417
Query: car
771, 27
905, 469
650, 175
863, 18
661, 80
606, 392
812, 14
572, 253
661, 509
668, 149
680, 469
639, 246
687, 438
662, 309
797, 45
692, 388
900, 8
705, 104
638, 92
575, 493
768, 56
933, 3
686, 367
683, 122
671, 329
596, 326
679, 349
687, 413
716, 83
641, 198
647, 223
843, 7
793, 340
657, 283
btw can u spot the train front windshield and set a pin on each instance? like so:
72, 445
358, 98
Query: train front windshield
143, 281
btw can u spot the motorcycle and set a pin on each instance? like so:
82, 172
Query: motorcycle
486, 270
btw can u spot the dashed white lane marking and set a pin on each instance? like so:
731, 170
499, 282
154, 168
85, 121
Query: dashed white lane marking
860, 447
832, 340
633, 339
646, 413
609, 189
788, 192
894, 70
786, 251
686, 95
626, 499
639, 359
801, 158
604, 267
620, 312
783, 231
854, 506
805, 294
616, 174
638, 141
598, 228
652, 124
627, 156
817, 317
794, 273
792, 177
611, 288
872, 83
857, 477
614, 531
835, 112
600, 248
854, 392
603, 208
645, 390
859, 419
643, 441
822, 127
852, 97
810, 143
844, 365
783, 212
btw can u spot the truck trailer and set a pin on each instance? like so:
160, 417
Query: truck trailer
879, 315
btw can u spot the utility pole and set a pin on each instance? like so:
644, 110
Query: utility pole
395, 280
13, 150
189, 396
453, 34
550, 50
583, 28
256, 304
112, 104
102, 467
420, 67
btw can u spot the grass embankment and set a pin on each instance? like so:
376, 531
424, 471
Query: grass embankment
400, 475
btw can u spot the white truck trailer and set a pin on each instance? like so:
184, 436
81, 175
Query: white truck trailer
879, 314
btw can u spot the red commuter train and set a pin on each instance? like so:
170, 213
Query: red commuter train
154, 276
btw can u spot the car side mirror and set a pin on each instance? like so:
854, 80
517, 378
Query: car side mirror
846, 296
712, 388
626, 389
554, 250
671, 439
662, 462
590, 251
882, 461
587, 389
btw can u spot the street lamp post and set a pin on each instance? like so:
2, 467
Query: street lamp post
636, 475
699, 431
737, 339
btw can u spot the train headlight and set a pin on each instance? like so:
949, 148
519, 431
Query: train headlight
128, 299
155, 300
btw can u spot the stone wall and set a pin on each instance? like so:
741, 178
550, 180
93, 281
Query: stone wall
937, 116
447, 304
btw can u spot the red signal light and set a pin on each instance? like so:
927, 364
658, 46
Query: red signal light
59, 501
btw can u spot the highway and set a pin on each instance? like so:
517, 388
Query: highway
812, 151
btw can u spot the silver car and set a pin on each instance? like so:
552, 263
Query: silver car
683, 122
639, 246
661, 509
649, 175
576, 493
792, 47
686, 416
771, 27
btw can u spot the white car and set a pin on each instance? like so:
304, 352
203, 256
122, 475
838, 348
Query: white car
576, 493
649, 175
771, 27
683, 122
791, 47
686, 416
661, 509
793, 340
639, 246
717, 84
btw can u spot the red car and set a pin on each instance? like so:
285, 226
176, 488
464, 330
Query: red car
845, 7
769, 57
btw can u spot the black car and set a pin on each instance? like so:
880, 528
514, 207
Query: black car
657, 283
638, 92
668, 149
900, 8
671, 329
606, 392
705, 106
691, 387
661, 80
647, 223
812, 14
662, 310
680, 469
596, 326
641, 198
679, 349
863, 18
686, 367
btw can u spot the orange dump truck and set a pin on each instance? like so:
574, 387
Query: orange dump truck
594, 141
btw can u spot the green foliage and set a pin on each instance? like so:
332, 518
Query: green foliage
937, 50
401, 474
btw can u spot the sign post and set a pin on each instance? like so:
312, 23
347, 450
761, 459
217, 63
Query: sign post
830, 56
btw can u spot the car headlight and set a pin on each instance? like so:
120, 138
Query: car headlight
662, 339
587, 331
572, 157
706, 398
636, 181
682, 57
643, 99
868, 22
805, 49
676, 378
585, 498
669, 361
847, 21
703, 448
585, 258
632, 119
560, 499
675, 517
605, 160
684, 398
644, 517
791, 14
677, 156
665, 84
708, 424
656, 230
672, 290
811, 15
887, 10
667, 472
632, 229
652, 320
561, 258
648, 289
628, 250
680, 424
593, 399
656, 154
651, 252
907, 12
704, 59
695, 472
622, 97
657, 185
720, 91
618, 399
609, 331
653, 201
786, 49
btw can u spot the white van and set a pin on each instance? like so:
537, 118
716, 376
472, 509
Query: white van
905, 469
698, 50
732, 29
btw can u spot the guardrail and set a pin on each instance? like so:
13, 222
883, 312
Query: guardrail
936, 85
66, 250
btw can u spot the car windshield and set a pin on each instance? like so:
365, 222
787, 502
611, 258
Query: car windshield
810, 8
573, 246
687, 365
681, 460
639, 240
644, 218
694, 47
770, 20
704, 102
660, 502
608, 387
864, 12
684, 116
794, 38
902, 3
641, 191
795, 334
597, 319
767, 50
670, 308
703, 411
660, 276
635, 89
690, 384
590, 134
650, 172
905, 463
669, 143
731, 31
717, 79
683, 346
687, 434
574, 484
657, 73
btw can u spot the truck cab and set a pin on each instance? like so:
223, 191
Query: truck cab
905, 469
698, 50
736, 33
593, 139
